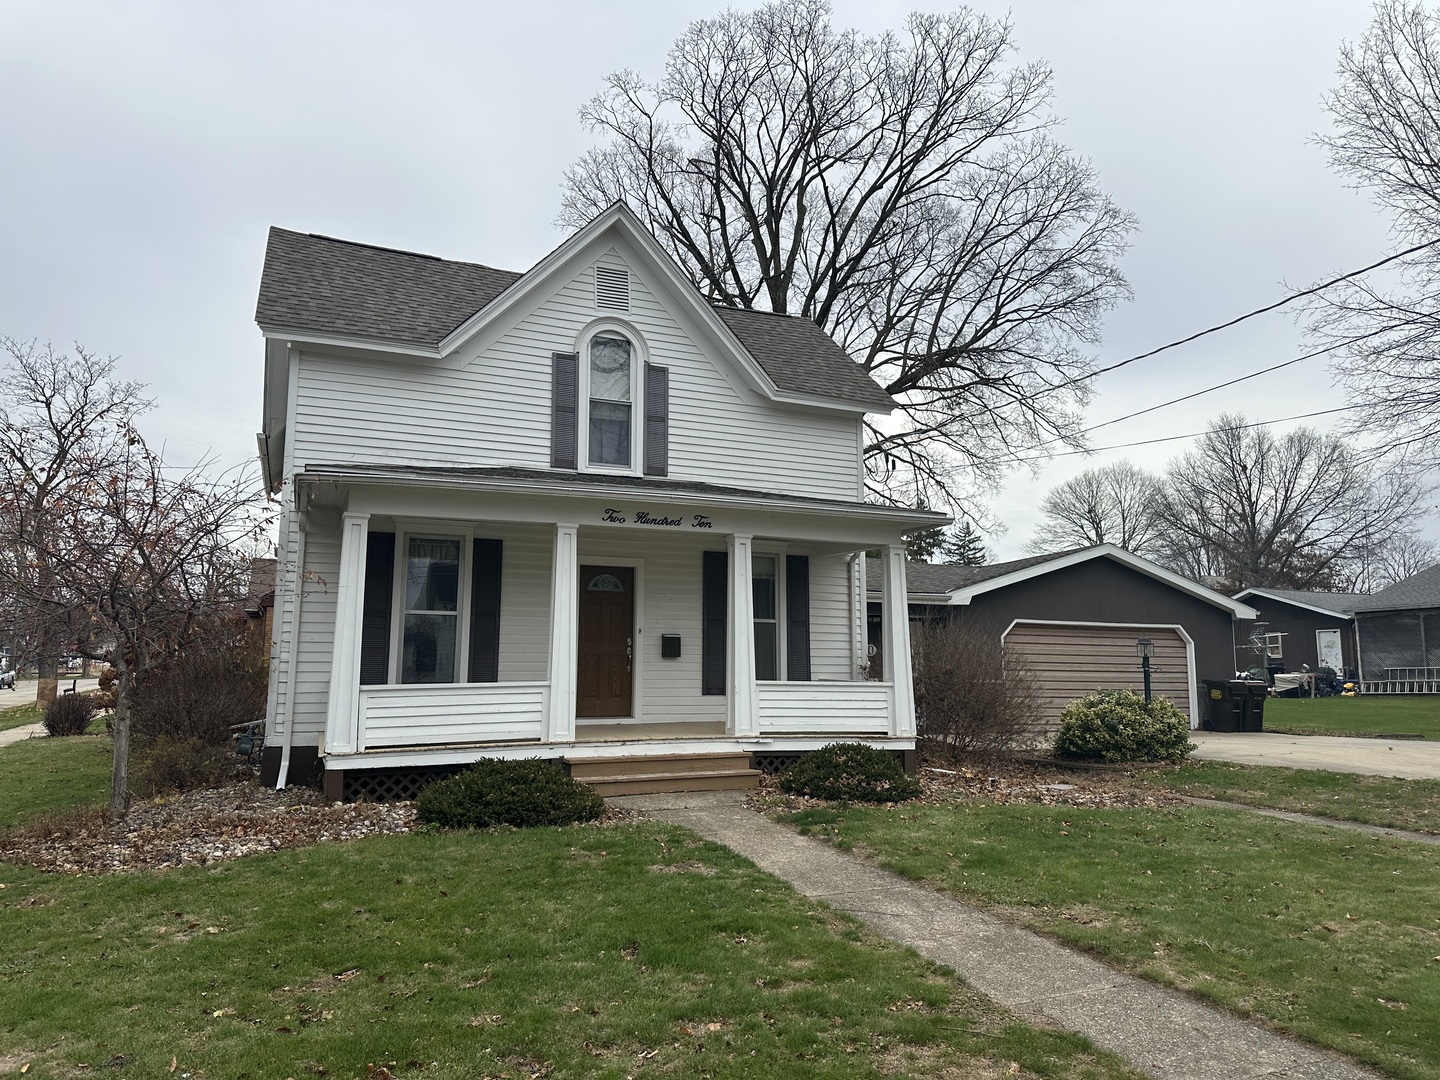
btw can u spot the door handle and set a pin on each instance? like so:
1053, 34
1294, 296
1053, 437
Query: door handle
629, 652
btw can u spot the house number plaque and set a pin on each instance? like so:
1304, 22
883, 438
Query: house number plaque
611, 516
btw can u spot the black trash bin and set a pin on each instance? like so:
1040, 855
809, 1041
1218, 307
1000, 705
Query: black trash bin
1254, 714
1224, 711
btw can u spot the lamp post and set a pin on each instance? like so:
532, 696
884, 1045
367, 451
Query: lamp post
1146, 648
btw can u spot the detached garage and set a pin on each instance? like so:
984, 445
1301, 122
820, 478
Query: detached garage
1075, 618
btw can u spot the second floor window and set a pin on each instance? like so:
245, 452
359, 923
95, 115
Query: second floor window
610, 404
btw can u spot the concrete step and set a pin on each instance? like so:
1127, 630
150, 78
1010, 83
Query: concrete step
656, 783
640, 765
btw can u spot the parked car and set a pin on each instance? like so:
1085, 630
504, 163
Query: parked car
7, 679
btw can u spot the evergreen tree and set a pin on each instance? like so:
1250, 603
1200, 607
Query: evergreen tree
963, 547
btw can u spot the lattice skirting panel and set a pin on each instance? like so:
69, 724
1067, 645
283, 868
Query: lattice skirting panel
393, 785
772, 764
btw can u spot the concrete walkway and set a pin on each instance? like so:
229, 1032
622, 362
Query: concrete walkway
1413, 759
20, 734
1315, 819
1166, 1034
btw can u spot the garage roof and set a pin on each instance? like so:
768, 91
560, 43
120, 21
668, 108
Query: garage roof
958, 585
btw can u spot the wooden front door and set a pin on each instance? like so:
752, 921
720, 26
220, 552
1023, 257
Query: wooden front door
607, 623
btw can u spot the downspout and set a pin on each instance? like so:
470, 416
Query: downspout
293, 655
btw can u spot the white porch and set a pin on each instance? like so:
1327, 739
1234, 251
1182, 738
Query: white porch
400, 724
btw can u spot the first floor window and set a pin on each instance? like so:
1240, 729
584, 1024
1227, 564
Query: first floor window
764, 578
432, 610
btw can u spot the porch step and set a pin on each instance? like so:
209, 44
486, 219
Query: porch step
660, 775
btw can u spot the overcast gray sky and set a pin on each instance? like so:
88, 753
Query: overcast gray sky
147, 146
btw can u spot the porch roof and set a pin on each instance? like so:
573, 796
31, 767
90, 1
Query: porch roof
566, 484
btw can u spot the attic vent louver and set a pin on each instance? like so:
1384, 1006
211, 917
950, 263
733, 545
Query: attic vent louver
612, 288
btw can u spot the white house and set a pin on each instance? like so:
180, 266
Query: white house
575, 513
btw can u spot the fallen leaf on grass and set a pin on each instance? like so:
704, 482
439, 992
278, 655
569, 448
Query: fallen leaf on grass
347, 975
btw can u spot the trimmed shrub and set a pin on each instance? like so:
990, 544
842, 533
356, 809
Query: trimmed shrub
1117, 726
523, 793
165, 765
69, 714
850, 772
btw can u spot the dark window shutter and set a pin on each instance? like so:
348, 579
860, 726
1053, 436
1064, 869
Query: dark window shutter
715, 598
485, 611
797, 618
564, 410
657, 421
375, 609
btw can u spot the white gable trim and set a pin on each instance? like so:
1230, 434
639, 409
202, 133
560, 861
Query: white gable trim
964, 595
1294, 603
576, 251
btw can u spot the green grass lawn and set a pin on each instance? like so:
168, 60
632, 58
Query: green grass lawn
1375, 800
1330, 935
45, 776
627, 951
1365, 715
19, 715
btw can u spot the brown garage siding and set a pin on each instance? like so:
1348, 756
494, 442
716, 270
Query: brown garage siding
1069, 661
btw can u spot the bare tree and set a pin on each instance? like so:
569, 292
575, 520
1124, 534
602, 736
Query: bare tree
1386, 139
64, 422
1116, 504
1295, 511
904, 193
1398, 557
148, 562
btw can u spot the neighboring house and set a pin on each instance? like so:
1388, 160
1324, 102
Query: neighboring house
260, 603
1074, 619
1398, 632
576, 513
1308, 630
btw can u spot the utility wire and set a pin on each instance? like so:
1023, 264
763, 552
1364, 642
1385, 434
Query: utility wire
1176, 438
1242, 318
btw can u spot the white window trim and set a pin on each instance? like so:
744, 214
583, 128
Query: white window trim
639, 357
449, 530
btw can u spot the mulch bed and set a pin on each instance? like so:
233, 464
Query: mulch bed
1005, 782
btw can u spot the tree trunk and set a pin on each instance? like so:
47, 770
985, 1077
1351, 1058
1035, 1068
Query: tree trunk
120, 759
48, 669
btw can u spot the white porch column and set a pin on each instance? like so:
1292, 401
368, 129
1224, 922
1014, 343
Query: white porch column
859, 645
743, 707
342, 718
564, 634
897, 644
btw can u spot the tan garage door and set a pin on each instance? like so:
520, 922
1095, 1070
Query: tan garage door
1070, 661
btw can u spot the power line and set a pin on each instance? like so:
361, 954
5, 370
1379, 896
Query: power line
1176, 438
1311, 291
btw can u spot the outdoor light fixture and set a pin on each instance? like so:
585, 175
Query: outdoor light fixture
1146, 648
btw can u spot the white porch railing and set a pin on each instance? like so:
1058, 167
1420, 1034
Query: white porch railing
411, 715
824, 708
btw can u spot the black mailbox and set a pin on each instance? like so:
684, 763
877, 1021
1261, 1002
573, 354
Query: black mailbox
670, 646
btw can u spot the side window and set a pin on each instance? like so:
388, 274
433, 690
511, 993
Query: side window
610, 363
764, 580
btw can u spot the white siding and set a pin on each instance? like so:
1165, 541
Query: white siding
525, 570
831, 650
436, 715
317, 627
861, 708
495, 410
287, 573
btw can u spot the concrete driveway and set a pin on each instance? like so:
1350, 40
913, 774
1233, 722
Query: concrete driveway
1411, 759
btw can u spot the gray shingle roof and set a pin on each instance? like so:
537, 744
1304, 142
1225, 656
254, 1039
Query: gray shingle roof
334, 286
933, 578
1420, 591
1339, 603
323, 285
799, 356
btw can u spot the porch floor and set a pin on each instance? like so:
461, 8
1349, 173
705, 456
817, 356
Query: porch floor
606, 732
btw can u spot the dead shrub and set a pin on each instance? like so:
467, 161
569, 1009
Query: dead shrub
203, 693
971, 698
165, 765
